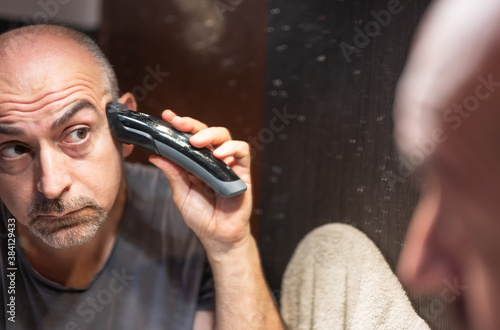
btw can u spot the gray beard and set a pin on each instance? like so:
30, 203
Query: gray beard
70, 230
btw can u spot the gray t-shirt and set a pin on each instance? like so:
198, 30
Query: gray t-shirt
156, 277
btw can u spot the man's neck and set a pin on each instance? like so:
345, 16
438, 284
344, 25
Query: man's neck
75, 266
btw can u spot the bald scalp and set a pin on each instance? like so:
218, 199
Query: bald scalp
15, 40
452, 72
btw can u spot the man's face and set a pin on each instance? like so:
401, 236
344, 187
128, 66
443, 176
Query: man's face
451, 246
453, 243
60, 170
451, 84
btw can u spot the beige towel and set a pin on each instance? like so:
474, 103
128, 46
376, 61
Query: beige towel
338, 279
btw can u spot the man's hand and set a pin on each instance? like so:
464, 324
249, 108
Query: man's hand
220, 223
243, 300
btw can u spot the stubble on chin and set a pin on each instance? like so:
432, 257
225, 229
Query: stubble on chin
72, 229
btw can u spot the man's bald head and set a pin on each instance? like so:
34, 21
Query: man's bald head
17, 40
451, 78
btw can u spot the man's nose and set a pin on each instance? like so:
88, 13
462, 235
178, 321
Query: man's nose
53, 172
426, 262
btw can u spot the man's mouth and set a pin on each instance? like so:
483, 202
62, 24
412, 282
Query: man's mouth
59, 215
66, 223
55, 222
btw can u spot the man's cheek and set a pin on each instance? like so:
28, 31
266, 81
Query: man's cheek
18, 203
101, 175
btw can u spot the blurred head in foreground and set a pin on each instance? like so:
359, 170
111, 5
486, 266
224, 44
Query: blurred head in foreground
447, 122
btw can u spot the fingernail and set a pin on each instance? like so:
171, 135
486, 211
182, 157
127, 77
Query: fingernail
219, 151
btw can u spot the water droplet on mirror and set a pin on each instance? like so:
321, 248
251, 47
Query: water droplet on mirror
281, 48
277, 83
281, 216
321, 58
283, 137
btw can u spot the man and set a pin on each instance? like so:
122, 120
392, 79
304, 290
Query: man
447, 116
92, 242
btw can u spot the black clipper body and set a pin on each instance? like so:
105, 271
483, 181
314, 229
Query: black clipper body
158, 137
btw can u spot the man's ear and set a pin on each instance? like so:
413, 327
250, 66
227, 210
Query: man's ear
129, 100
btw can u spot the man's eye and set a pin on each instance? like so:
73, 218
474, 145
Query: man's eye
77, 135
14, 151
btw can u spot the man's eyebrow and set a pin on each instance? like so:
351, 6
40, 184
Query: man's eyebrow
9, 130
80, 105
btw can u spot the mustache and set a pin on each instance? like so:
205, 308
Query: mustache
58, 205
71, 229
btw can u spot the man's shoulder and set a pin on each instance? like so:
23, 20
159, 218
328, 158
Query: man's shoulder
151, 213
149, 199
145, 180
139, 171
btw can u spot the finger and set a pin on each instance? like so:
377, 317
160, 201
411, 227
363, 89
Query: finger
183, 183
168, 115
211, 136
178, 178
184, 124
238, 150
237, 155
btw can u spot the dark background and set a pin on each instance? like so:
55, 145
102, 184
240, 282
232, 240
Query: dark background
244, 65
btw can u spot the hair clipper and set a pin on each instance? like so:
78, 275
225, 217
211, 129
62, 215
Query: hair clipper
159, 137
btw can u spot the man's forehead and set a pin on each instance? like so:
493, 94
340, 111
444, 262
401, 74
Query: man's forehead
29, 72
56, 118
